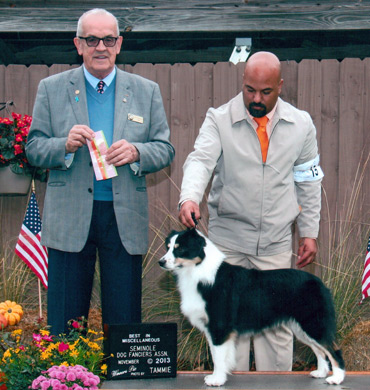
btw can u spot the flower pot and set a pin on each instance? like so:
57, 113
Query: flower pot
2, 378
12, 183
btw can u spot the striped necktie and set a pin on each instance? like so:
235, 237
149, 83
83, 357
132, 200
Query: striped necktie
101, 86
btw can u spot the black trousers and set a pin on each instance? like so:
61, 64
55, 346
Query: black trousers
71, 275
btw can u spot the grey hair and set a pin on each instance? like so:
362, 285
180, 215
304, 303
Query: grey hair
94, 12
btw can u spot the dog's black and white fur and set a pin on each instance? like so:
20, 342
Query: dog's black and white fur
224, 300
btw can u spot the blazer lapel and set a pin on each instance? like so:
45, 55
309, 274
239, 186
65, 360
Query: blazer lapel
77, 96
123, 97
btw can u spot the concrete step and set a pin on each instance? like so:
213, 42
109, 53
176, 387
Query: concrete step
244, 381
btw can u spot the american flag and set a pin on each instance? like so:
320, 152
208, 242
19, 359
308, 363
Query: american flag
366, 274
29, 247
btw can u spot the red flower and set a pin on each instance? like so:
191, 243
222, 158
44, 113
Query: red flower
47, 338
37, 337
13, 134
63, 347
18, 149
16, 116
76, 325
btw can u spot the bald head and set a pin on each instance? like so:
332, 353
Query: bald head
262, 83
265, 64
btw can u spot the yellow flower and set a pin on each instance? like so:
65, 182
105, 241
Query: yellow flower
93, 345
17, 332
74, 353
85, 339
51, 347
45, 355
104, 368
64, 364
92, 331
44, 332
7, 353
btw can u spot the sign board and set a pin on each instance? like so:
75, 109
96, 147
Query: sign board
147, 350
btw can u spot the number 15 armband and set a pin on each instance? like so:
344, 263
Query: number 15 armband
308, 171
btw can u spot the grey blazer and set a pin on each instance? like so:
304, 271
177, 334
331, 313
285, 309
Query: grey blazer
60, 104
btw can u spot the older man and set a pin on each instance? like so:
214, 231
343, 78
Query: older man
83, 215
264, 157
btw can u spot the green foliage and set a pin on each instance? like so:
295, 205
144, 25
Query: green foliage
24, 360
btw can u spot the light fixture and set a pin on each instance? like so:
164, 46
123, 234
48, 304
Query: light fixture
242, 49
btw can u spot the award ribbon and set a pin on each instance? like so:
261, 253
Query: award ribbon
98, 148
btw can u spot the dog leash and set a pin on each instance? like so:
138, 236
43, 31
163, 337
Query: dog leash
194, 219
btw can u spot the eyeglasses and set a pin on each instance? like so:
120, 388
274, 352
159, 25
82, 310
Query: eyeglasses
94, 41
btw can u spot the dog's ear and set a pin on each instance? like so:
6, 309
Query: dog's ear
168, 238
172, 233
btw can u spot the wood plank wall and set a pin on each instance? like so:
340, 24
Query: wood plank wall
334, 93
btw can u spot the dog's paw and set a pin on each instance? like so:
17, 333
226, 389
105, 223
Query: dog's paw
337, 378
215, 380
319, 374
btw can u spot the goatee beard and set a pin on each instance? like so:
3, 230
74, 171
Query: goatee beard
257, 113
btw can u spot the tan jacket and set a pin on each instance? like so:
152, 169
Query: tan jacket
253, 205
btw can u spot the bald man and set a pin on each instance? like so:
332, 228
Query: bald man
262, 156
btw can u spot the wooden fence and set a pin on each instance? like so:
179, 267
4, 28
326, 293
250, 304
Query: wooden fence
336, 94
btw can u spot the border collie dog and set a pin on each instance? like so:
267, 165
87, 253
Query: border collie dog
224, 300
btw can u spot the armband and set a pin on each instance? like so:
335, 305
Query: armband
308, 171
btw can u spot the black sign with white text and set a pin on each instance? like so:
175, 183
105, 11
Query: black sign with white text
147, 350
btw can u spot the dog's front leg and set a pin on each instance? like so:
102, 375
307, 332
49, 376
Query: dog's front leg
223, 357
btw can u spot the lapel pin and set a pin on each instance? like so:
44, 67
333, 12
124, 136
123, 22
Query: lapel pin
77, 91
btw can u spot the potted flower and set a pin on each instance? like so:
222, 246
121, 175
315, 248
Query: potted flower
13, 160
22, 360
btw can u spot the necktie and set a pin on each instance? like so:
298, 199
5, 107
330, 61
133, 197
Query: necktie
101, 86
262, 135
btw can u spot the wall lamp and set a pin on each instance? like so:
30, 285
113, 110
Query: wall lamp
242, 49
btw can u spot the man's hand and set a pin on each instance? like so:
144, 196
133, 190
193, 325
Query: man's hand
77, 137
306, 252
121, 153
185, 215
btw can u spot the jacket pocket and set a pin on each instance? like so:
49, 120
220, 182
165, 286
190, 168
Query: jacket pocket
233, 203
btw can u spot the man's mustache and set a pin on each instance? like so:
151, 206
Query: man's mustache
254, 105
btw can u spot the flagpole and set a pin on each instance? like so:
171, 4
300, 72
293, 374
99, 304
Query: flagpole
40, 302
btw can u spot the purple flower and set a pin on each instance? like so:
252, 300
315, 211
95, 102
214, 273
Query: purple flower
45, 385
71, 376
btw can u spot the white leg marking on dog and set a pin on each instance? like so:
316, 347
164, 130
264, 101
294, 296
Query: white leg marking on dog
322, 366
337, 378
321, 353
223, 357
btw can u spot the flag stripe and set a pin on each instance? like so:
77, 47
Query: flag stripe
365, 288
32, 243
29, 247
29, 260
38, 258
